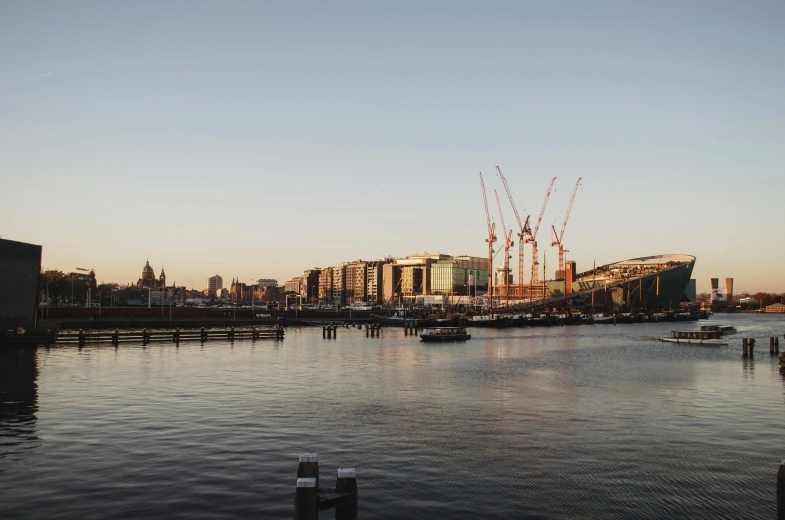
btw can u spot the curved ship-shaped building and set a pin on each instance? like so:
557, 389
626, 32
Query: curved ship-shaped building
649, 282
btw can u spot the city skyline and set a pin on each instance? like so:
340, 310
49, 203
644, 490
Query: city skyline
256, 140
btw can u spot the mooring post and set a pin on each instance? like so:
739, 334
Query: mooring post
176, 337
346, 483
776, 344
204, 335
306, 499
781, 491
751, 345
116, 337
231, 333
744, 347
771, 345
335, 331
81, 338
308, 467
145, 337
367, 331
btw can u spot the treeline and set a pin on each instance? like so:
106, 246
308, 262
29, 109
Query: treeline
762, 299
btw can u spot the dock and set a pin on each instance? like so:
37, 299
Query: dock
146, 336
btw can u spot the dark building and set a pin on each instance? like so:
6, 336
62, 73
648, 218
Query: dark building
20, 265
148, 279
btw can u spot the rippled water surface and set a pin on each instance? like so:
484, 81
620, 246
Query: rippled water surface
564, 422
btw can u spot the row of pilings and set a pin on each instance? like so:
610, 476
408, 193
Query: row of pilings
748, 349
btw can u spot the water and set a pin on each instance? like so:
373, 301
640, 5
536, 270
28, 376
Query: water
564, 422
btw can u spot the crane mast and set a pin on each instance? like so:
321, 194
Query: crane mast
533, 237
491, 239
557, 238
508, 243
524, 231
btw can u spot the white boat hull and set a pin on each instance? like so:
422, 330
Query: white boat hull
696, 341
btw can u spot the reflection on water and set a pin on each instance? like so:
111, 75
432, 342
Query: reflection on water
579, 422
18, 402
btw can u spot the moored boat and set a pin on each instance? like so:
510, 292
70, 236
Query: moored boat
490, 320
445, 334
726, 330
696, 337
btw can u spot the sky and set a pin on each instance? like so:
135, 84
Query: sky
257, 139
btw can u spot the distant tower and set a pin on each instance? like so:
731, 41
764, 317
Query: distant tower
147, 272
148, 276
715, 289
162, 278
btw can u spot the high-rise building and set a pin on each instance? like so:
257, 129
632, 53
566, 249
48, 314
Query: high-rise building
294, 285
326, 285
309, 289
214, 285
360, 280
339, 283
373, 280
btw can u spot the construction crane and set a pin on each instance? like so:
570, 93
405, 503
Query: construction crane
524, 231
557, 239
533, 237
508, 243
491, 239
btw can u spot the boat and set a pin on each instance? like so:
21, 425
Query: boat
726, 330
490, 320
445, 334
599, 318
697, 337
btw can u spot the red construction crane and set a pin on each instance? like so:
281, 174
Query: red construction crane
524, 231
508, 243
533, 237
491, 239
557, 239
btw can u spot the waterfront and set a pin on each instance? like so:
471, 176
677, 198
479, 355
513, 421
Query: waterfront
561, 422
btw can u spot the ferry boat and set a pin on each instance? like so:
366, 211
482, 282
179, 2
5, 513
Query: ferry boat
726, 330
445, 334
699, 337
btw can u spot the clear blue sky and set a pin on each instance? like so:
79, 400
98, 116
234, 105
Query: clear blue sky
256, 139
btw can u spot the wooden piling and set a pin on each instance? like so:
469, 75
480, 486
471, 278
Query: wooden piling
306, 499
203, 334
145, 337
116, 337
81, 338
771, 345
176, 335
744, 347
346, 483
335, 331
751, 345
781, 491
308, 467
776, 344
